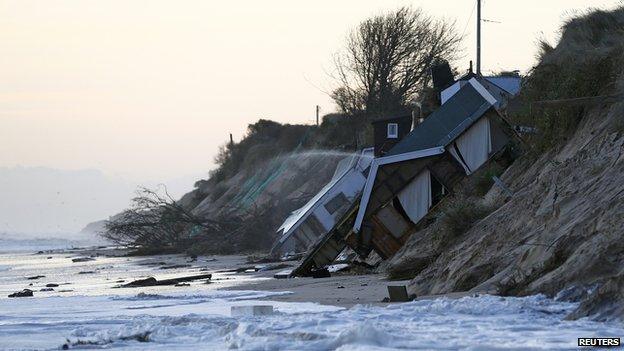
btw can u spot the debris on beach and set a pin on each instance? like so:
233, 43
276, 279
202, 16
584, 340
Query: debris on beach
82, 259
51, 285
246, 269
140, 337
338, 267
285, 274
36, 277
23, 293
273, 267
151, 281
320, 273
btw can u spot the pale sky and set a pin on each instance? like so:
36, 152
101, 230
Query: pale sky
149, 89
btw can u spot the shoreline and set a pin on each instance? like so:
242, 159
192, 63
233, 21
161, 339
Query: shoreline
341, 289
337, 290
339, 312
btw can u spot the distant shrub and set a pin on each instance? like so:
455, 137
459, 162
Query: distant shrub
264, 140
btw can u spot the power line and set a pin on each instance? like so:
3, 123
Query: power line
469, 18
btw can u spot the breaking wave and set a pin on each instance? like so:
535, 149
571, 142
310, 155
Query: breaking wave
202, 321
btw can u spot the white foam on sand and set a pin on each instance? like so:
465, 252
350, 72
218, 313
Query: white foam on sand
202, 321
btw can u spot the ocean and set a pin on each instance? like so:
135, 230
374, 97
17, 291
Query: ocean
86, 311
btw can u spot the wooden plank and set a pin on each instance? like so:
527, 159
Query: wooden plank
392, 221
384, 243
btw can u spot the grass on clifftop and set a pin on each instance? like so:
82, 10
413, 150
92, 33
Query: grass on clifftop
587, 62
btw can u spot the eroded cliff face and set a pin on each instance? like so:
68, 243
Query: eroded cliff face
563, 227
293, 178
561, 230
561, 233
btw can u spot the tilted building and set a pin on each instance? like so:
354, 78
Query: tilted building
321, 213
412, 177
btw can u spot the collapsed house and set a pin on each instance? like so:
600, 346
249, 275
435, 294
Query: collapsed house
415, 169
321, 213
420, 170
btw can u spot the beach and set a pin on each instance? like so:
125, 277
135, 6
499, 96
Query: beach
90, 309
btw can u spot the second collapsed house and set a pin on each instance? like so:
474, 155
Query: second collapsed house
321, 213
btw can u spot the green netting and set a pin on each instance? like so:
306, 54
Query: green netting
255, 186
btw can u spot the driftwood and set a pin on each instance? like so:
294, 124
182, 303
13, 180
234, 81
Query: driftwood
23, 293
151, 281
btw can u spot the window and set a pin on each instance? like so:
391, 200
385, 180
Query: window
393, 130
339, 201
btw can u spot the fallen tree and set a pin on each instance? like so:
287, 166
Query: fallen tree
155, 220
157, 223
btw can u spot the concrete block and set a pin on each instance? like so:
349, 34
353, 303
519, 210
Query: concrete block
398, 293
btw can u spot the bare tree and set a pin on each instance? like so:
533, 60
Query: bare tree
387, 59
156, 219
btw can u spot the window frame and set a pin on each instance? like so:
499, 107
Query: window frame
394, 135
337, 202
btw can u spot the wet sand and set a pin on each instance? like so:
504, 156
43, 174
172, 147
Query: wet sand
338, 290
111, 267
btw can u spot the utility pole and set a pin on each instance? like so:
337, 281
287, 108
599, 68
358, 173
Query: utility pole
318, 108
231, 140
478, 37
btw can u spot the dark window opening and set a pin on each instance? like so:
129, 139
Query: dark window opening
339, 201
437, 191
396, 203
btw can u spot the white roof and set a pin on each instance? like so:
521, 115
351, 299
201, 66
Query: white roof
370, 181
509, 84
359, 162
